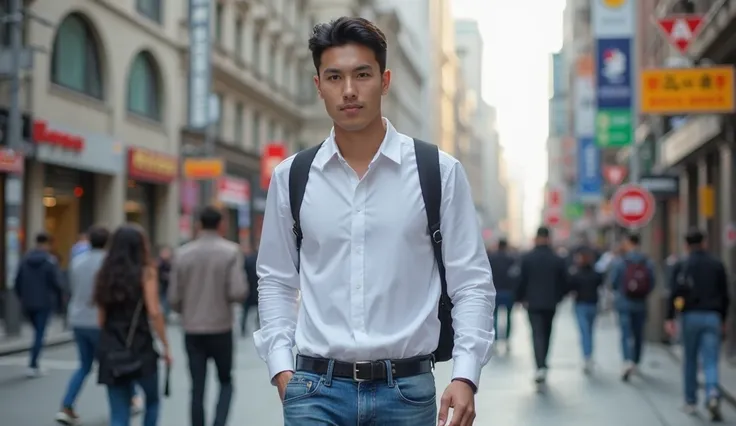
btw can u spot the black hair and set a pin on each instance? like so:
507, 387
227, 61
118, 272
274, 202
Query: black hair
43, 238
210, 218
543, 232
694, 237
120, 278
343, 31
503, 244
634, 239
98, 237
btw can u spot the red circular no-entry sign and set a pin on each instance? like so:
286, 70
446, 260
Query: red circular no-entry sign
633, 206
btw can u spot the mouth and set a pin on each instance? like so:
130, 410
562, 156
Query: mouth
350, 108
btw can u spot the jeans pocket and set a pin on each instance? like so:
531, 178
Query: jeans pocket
416, 390
302, 385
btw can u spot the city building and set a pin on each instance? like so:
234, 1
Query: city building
442, 75
515, 219
104, 108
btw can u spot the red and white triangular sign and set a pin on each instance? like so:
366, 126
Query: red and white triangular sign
681, 30
614, 174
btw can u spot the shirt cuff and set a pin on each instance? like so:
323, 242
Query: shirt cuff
468, 368
280, 360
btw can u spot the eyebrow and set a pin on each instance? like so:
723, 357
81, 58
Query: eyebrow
359, 68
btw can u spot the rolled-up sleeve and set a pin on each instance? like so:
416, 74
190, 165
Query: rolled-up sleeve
469, 278
278, 283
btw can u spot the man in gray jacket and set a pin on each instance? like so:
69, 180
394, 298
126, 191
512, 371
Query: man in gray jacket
206, 279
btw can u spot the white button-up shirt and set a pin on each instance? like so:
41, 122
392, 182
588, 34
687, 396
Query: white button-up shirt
369, 282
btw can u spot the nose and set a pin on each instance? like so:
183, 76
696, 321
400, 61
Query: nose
349, 93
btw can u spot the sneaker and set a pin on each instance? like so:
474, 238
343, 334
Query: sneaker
690, 409
541, 376
628, 371
36, 372
714, 409
588, 367
68, 417
136, 405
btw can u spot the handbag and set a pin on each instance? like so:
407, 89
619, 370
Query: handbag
124, 363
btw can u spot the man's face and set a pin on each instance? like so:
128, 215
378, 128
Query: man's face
351, 84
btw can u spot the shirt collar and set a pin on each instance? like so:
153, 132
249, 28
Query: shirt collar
390, 147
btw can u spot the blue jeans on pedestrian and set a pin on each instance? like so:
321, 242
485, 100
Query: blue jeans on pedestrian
632, 322
39, 320
119, 397
504, 299
86, 340
701, 334
585, 314
322, 400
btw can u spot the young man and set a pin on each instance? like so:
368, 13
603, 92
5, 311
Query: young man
206, 280
505, 277
700, 293
632, 280
366, 271
39, 289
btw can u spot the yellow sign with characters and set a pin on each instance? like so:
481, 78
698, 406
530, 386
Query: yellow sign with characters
673, 91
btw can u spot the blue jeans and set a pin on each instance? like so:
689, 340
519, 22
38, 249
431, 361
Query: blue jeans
586, 313
504, 299
701, 333
86, 340
39, 320
119, 397
314, 400
632, 322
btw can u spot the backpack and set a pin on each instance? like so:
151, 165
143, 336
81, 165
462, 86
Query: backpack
430, 181
637, 282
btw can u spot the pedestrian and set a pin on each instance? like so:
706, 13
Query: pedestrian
39, 289
585, 283
542, 285
126, 297
251, 258
206, 280
164, 271
360, 250
82, 245
632, 280
700, 294
505, 276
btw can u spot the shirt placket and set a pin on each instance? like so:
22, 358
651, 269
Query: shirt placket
357, 253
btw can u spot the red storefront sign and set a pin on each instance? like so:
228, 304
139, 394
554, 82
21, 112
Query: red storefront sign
11, 161
233, 190
150, 166
273, 154
43, 135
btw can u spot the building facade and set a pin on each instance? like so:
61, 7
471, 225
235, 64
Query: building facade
442, 75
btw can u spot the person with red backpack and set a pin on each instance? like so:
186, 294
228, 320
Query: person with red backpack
632, 280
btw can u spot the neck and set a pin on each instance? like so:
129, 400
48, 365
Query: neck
361, 145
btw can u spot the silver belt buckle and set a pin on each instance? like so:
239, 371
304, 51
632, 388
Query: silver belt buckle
355, 371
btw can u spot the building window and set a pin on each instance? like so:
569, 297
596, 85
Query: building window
239, 38
75, 63
257, 130
218, 23
144, 88
150, 9
272, 62
217, 116
239, 113
256, 59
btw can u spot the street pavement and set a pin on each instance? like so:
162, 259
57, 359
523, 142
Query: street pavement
507, 396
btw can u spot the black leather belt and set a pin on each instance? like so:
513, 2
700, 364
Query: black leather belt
367, 371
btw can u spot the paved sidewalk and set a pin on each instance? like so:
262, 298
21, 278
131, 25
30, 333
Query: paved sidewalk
56, 334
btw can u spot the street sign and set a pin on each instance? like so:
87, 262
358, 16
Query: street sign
614, 174
729, 238
633, 206
552, 217
681, 30
613, 127
670, 91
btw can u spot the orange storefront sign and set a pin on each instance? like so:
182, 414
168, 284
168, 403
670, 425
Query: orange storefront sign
151, 166
585, 66
203, 168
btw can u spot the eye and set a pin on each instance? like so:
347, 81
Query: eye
364, 75
333, 77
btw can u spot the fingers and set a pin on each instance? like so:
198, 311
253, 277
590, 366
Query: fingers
462, 415
444, 409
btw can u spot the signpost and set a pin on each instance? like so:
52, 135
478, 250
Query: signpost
670, 91
680, 30
614, 174
614, 128
633, 206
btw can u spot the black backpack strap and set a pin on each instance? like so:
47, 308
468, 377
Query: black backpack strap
430, 180
298, 177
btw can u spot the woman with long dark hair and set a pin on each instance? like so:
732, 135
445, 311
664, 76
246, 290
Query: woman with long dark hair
585, 283
127, 298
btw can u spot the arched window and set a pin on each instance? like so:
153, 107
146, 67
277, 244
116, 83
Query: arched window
144, 89
75, 63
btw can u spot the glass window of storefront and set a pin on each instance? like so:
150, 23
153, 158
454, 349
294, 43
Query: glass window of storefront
140, 205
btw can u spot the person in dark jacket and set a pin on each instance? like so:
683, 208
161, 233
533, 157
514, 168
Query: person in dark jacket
585, 284
164, 274
39, 290
249, 263
542, 284
699, 291
503, 265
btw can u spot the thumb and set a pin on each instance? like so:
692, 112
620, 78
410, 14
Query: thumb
444, 410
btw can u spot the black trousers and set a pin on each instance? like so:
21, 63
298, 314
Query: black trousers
200, 349
541, 323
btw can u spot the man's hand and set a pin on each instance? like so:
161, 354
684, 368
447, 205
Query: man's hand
460, 397
670, 328
281, 380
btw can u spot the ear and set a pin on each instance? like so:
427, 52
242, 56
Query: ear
316, 85
385, 82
